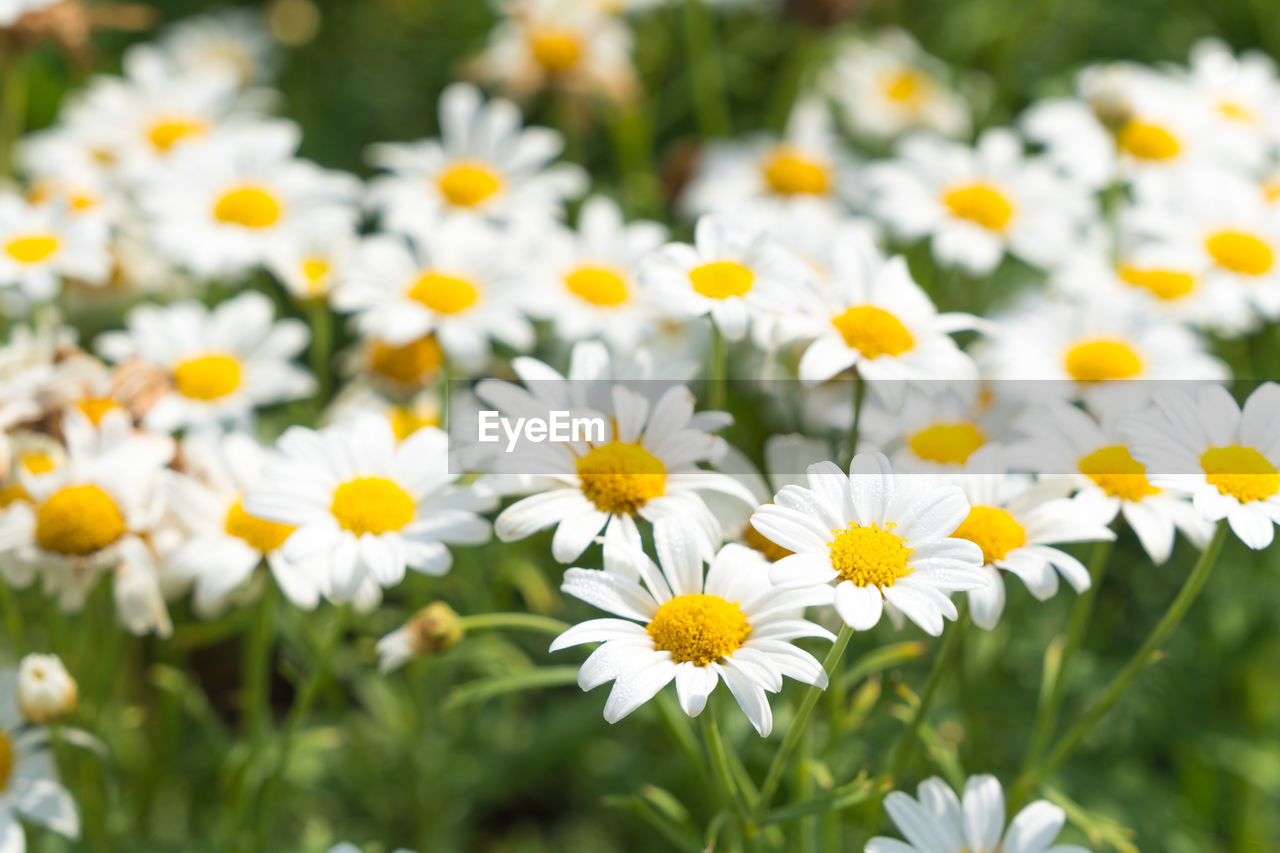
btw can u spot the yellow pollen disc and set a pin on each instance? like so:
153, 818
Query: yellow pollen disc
32, 248
981, 203
1241, 253
96, 408
1117, 473
721, 279
597, 285
873, 331
789, 171
1148, 141
699, 628
410, 364
870, 556
906, 86
7, 761
207, 377
371, 505
37, 462
772, 551
78, 520
993, 530
405, 422
467, 184
1102, 359
556, 50
947, 443
444, 294
315, 273
12, 493
248, 206
79, 200
619, 477
1241, 472
1271, 189
168, 132
262, 535
1162, 284
1236, 112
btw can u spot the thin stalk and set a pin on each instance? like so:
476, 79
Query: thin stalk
257, 667
905, 747
719, 756
719, 369
12, 616
13, 110
518, 621
707, 78
859, 394
320, 316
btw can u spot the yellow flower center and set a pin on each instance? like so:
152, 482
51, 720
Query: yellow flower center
1241, 472
789, 171
1117, 473
619, 477
873, 331
721, 279
906, 86
37, 462
870, 556
315, 275
993, 530
1241, 253
947, 443
1148, 141
262, 535
1102, 359
96, 408
78, 521
981, 203
405, 421
1271, 189
1162, 284
7, 761
12, 493
555, 49
79, 200
410, 364
1236, 112
371, 505
699, 628
444, 294
772, 551
467, 184
597, 285
248, 206
168, 132
207, 377
32, 248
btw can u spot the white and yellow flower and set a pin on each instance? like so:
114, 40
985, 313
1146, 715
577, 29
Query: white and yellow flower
29, 785
231, 42
42, 246
936, 426
1241, 97
46, 691
312, 263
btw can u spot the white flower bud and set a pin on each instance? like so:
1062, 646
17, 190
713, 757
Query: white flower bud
46, 690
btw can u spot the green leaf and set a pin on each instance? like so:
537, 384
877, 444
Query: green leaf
488, 688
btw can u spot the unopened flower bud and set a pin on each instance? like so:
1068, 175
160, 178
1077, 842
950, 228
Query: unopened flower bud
46, 690
432, 629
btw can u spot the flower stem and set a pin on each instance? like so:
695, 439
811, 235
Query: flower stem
257, 669
903, 750
710, 108
1123, 679
859, 394
321, 320
718, 753
13, 109
519, 621
719, 369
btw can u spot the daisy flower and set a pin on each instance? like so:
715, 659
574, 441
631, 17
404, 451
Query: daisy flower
224, 362
43, 245
1205, 445
366, 507
1166, 127
46, 691
976, 204
940, 822
882, 540
312, 263
223, 543
936, 426
677, 624
484, 165
231, 42
29, 784
1241, 95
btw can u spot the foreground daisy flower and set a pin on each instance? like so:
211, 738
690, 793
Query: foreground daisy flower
365, 507
733, 625
223, 362
29, 784
1226, 457
484, 165
42, 246
881, 539
939, 822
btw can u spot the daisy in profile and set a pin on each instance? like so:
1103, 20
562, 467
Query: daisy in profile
231, 42
367, 508
938, 821
223, 362
978, 203
588, 284
29, 785
763, 172
484, 165
882, 540
41, 246
456, 283
937, 425
223, 543
734, 272
672, 622
1225, 457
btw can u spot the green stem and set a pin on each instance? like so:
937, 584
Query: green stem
257, 669
1123, 679
519, 621
12, 616
709, 105
905, 747
719, 369
859, 394
13, 110
321, 318
719, 755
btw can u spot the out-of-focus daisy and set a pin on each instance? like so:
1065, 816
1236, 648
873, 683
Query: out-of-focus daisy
366, 507
484, 165
733, 625
888, 85
881, 539
456, 283
406, 415
223, 205
223, 543
29, 784
1205, 445
936, 426
939, 822
1241, 95
223, 362
763, 172
43, 245
312, 263
1073, 139
233, 42
46, 691
977, 203
12, 10
1165, 127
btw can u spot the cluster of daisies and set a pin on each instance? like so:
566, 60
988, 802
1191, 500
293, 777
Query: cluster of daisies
1141, 217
